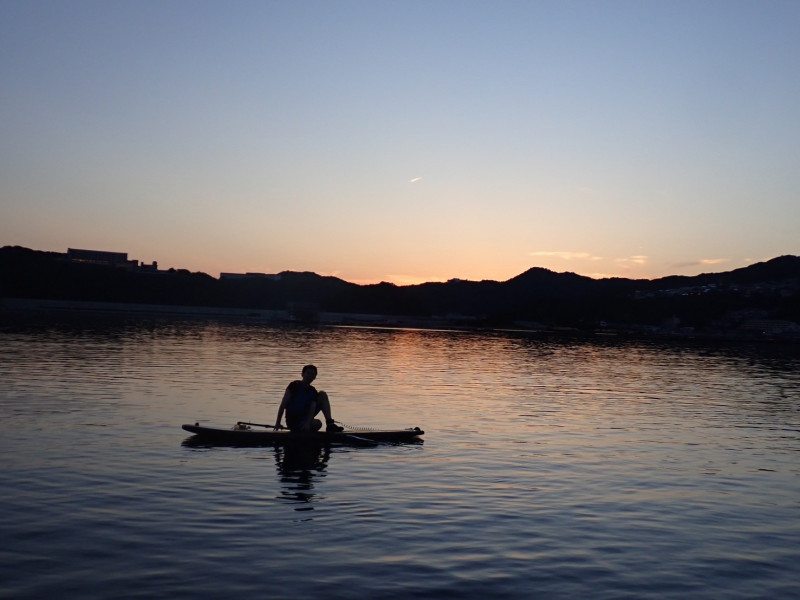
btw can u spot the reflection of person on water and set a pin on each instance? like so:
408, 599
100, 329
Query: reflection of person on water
298, 462
299, 465
302, 402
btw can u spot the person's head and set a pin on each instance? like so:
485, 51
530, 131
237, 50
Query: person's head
309, 372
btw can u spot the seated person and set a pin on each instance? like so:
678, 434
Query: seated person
302, 402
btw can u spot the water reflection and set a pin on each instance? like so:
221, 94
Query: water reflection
588, 468
299, 466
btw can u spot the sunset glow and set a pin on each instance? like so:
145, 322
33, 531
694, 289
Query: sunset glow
404, 142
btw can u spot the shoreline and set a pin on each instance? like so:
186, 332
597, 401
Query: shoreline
48, 308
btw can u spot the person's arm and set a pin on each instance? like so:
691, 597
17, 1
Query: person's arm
286, 396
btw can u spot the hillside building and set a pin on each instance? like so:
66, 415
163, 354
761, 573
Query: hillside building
108, 259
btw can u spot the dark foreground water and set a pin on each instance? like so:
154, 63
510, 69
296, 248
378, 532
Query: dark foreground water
550, 468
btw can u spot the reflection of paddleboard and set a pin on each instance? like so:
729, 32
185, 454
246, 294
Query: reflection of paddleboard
257, 437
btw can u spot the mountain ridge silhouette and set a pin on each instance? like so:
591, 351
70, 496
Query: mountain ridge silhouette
770, 289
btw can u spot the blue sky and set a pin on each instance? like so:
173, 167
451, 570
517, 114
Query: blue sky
404, 141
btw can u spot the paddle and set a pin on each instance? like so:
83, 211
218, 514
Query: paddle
356, 438
257, 425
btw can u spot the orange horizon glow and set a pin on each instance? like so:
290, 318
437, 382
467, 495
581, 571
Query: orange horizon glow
584, 264
637, 269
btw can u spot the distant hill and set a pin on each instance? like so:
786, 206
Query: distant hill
537, 297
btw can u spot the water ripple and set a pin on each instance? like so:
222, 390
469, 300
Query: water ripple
550, 469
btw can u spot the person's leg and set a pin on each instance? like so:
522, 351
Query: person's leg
324, 405
315, 424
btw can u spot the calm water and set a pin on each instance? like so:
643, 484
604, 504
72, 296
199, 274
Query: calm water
550, 468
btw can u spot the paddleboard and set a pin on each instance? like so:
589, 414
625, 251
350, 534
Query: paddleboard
261, 437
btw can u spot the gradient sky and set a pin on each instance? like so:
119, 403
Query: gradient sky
404, 141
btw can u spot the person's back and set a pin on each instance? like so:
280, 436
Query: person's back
302, 396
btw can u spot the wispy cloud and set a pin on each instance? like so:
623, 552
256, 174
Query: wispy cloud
625, 263
703, 262
415, 180
638, 260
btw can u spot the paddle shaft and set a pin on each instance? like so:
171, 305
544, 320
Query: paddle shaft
258, 425
351, 436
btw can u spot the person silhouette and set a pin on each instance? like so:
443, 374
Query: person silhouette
302, 402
